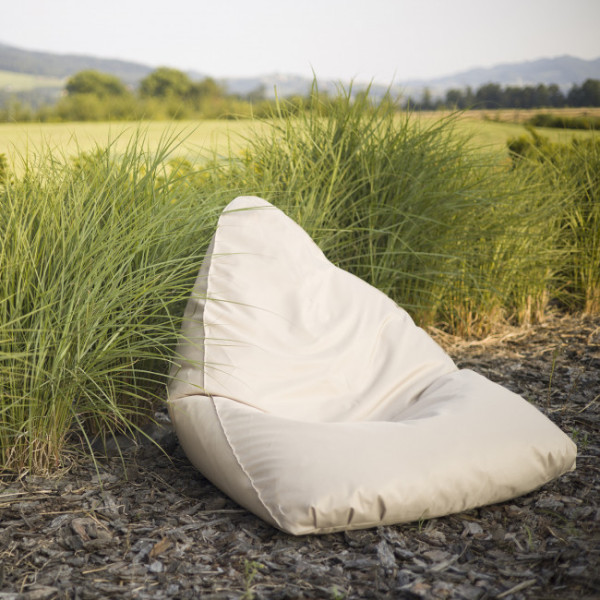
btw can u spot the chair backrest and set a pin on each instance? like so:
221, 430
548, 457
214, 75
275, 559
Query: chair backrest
273, 324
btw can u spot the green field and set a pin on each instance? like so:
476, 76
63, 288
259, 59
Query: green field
200, 139
494, 134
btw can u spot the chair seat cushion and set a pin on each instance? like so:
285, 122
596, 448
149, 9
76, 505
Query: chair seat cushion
313, 400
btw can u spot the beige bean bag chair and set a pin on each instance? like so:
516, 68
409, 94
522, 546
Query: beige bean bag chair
313, 400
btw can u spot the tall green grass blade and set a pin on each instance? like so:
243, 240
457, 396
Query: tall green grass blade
411, 207
97, 258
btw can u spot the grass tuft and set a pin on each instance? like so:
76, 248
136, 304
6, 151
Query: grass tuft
411, 207
97, 257
573, 169
98, 253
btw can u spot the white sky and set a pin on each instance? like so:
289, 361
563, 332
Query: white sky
361, 39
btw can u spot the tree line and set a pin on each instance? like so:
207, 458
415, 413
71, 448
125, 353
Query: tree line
493, 95
165, 93
168, 93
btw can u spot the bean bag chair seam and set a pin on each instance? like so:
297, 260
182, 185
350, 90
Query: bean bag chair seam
203, 302
239, 462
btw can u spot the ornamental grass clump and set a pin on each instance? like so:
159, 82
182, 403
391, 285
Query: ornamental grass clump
573, 169
583, 222
411, 207
97, 258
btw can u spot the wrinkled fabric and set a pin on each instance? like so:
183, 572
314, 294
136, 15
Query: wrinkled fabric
313, 400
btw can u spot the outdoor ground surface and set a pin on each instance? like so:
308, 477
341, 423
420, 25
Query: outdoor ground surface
153, 527
196, 139
489, 130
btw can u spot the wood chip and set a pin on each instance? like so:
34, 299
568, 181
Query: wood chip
166, 532
160, 547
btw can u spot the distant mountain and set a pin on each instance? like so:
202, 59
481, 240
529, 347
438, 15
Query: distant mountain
64, 65
294, 85
287, 85
563, 70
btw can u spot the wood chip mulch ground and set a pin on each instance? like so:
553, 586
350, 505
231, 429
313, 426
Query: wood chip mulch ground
153, 527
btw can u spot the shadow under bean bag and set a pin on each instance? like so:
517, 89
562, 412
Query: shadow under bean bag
313, 400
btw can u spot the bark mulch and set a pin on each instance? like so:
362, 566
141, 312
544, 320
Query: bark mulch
153, 527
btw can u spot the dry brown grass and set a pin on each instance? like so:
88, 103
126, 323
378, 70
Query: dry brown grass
516, 115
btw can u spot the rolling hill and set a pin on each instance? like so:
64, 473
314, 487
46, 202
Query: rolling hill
47, 70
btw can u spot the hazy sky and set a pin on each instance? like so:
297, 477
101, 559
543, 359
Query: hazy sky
360, 39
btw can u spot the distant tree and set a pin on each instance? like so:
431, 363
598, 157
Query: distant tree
541, 96
469, 97
13, 109
512, 97
489, 95
527, 98
208, 88
591, 90
427, 100
257, 94
93, 96
166, 83
81, 107
588, 94
455, 99
203, 93
101, 85
575, 96
556, 98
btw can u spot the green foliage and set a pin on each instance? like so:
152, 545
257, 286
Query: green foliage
582, 440
3, 168
207, 88
579, 167
98, 254
531, 146
564, 121
459, 99
252, 568
97, 258
574, 170
165, 83
489, 95
493, 96
90, 107
164, 94
588, 94
169, 93
97, 84
14, 111
410, 209
93, 96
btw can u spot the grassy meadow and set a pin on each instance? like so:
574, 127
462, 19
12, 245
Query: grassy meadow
485, 130
198, 140
103, 228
